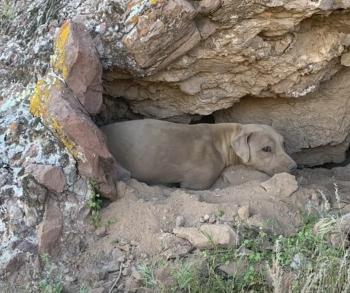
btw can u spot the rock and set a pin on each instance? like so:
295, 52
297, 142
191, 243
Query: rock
281, 185
208, 235
77, 61
208, 6
51, 177
244, 212
50, 229
345, 59
174, 247
239, 174
131, 284
212, 219
15, 263
154, 44
180, 221
101, 232
164, 276
298, 261
64, 103
235, 268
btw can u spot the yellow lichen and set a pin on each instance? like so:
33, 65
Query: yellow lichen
59, 58
69, 144
39, 98
153, 2
38, 107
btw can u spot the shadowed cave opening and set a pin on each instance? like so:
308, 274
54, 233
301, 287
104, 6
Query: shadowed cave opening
117, 109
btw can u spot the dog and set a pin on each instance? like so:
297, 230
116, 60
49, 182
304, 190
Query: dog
160, 152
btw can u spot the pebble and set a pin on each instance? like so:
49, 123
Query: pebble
244, 212
180, 221
101, 232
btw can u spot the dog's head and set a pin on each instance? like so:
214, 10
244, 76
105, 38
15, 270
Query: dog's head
261, 147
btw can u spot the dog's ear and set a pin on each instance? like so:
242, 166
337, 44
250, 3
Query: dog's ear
241, 147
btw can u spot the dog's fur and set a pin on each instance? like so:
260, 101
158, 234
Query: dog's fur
159, 152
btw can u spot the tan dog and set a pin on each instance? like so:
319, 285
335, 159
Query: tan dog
159, 152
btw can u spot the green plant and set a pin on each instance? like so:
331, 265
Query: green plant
111, 222
264, 260
51, 282
147, 273
95, 204
83, 289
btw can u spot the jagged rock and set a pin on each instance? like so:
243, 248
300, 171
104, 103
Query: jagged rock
77, 61
148, 40
281, 185
64, 109
51, 177
49, 231
208, 235
173, 247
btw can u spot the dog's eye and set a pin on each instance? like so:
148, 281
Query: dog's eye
267, 149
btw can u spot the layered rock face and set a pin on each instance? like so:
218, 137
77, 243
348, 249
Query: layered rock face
185, 59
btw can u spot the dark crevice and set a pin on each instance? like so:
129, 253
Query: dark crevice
334, 165
203, 119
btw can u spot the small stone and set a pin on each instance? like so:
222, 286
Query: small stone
234, 267
180, 221
101, 232
125, 272
345, 59
212, 219
298, 261
134, 243
244, 212
121, 259
136, 274
206, 218
281, 185
208, 235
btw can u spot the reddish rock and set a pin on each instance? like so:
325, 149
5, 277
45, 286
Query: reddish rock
78, 62
51, 177
85, 140
64, 103
50, 229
